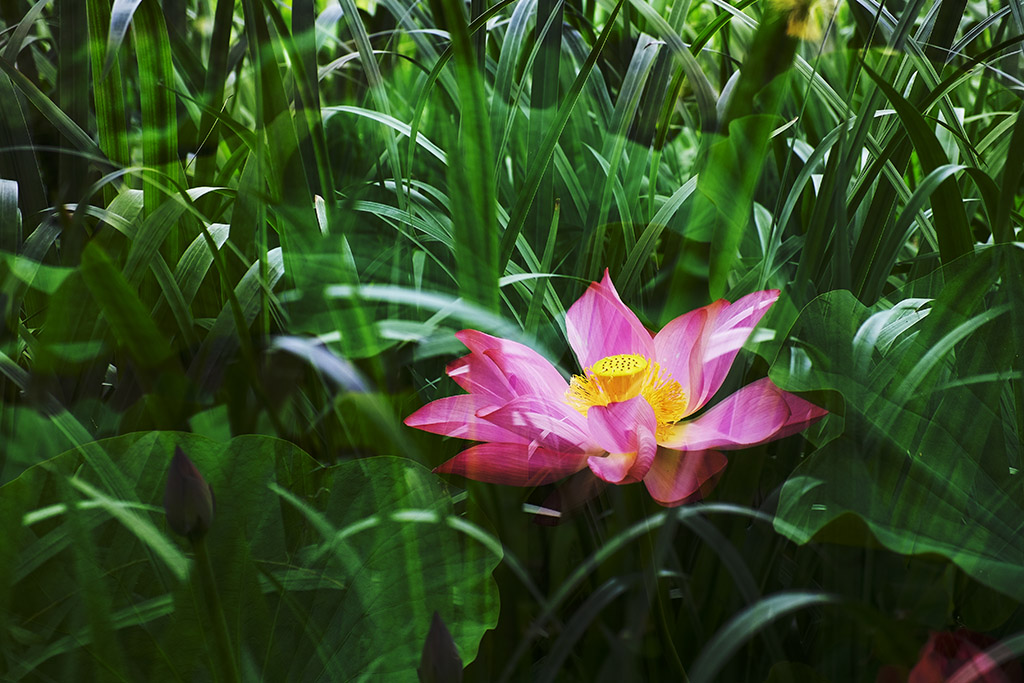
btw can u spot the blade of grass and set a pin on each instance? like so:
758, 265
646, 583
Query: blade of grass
155, 230
196, 261
698, 81
438, 73
120, 17
213, 92
10, 220
61, 121
543, 106
471, 175
73, 93
17, 38
950, 218
231, 327
538, 165
648, 241
893, 240
95, 597
140, 526
740, 628
108, 94
1013, 168
378, 88
18, 160
606, 550
581, 621
615, 143
159, 116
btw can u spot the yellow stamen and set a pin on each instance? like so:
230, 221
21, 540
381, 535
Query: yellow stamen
619, 378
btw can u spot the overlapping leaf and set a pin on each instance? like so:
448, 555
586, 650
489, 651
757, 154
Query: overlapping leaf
929, 459
341, 568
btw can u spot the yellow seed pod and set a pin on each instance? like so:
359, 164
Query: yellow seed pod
621, 376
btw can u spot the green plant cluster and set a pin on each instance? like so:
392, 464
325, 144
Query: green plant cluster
248, 232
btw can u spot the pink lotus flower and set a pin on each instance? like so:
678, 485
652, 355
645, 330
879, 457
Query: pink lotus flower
627, 416
963, 656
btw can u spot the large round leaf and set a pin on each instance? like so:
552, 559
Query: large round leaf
929, 459
322, 573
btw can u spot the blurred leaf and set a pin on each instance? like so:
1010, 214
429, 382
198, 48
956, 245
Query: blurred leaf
157, 105
73, 93
128, 319
725, 192
28, 440
347, 587
111, 115
744, 625
471, 175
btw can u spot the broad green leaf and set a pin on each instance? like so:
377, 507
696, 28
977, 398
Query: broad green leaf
923, 461
340, 567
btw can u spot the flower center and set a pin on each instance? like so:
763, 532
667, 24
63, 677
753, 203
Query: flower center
621, 376
614, 379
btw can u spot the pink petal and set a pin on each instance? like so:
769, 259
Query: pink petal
600, 325
512, 464
676, 478
679, 344
457, 416
612, 467
731, 331
757, 413
802, 414
524, 370
477, 374
698, 348
544, 422
624, 428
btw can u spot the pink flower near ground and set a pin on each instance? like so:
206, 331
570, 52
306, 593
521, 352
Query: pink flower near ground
961, 656
628, 415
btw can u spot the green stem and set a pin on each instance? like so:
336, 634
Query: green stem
229, 669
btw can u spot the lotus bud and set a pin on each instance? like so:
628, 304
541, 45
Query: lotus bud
440, 662
188, 499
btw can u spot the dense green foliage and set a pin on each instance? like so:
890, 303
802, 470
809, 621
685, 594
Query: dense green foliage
251, 231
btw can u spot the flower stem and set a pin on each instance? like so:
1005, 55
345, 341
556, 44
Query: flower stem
229, 669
